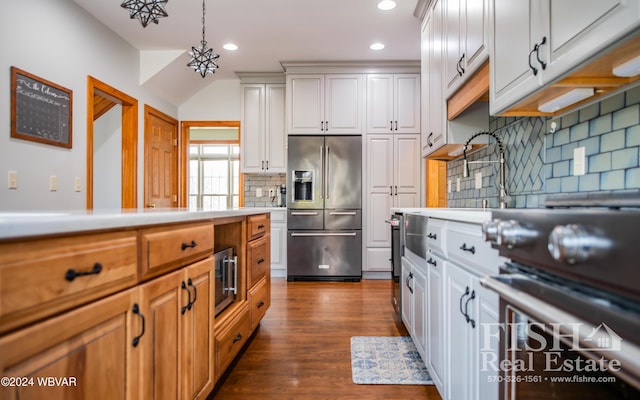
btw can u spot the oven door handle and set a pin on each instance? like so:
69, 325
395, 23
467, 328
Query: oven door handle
629, 355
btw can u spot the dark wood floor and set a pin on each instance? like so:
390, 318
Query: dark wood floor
302, 348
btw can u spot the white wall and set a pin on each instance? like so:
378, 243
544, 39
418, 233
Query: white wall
219, 101
60, 42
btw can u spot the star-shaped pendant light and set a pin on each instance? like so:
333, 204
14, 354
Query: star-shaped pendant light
203, 60
146, 10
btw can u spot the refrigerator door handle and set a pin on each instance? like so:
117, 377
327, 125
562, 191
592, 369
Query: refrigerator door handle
305, 213
326, 173
353, 213
313, 234
322, 161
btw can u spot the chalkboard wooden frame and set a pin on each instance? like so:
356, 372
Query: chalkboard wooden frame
41, 111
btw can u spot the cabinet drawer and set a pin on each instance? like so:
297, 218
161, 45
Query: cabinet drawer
41, 277
466, 245
259, 260
436, 229
230, 340
259, 301
258, 225
169, 247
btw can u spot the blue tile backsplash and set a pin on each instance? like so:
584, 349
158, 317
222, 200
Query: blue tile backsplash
539, 162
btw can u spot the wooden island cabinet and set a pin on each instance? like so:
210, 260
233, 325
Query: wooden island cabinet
125, 309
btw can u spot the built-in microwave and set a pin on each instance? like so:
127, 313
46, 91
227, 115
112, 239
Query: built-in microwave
226, 282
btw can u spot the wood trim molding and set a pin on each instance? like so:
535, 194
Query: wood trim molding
129, 140
476, 88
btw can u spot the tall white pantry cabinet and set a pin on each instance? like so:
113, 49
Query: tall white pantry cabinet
393, 166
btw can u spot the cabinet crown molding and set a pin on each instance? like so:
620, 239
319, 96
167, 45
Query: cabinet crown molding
355, 67
261, 77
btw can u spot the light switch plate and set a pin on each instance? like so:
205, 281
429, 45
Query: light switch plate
579, 161
12, 178
53, 183
77, 184
258, 192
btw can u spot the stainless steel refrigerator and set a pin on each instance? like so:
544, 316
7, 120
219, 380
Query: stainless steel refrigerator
324, 210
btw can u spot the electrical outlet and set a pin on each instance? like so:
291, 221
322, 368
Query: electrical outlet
478, 180
258, 192
53, 183
12, 180
272, 192
77, 184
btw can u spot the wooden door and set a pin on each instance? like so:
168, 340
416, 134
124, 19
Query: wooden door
91, 347
197, 327
160, 159
161, 301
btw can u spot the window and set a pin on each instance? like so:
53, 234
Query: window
214, 176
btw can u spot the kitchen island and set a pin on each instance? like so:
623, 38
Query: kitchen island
120, 305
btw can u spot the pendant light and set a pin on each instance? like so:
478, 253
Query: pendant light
203, 60
146, 10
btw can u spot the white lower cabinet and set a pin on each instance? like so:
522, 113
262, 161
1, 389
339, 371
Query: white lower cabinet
279, 243
435, 322
471, 324
414, 303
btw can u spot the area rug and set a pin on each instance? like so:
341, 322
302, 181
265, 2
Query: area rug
387, 360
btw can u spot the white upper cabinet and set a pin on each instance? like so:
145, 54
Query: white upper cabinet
393, 103
325, 103
467, 38
263, 137
537, 42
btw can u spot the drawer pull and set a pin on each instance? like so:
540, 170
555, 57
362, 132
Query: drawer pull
261, 304
432, 262
188, 306
187, 245
73, 274
237, 338
260, 261
261, 226
432, 236
471, 249
136, 310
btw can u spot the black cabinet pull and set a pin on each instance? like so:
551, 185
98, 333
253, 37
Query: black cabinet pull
260, 261
534, 69
471, 249
261, 304
195, 294
466, 293
408, 279
187, 245
237, 338
267, 164
537, 47
432, 262
396, 191
390, 190
73, 274
390, 125
429, 142
188, 306
136, 310
432, 236
261, 226
466, 312
262, 164
396, 125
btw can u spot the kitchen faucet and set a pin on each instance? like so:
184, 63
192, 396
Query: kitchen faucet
502, 192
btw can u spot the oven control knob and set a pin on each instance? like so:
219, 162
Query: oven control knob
511, 234
574, 243
490, 230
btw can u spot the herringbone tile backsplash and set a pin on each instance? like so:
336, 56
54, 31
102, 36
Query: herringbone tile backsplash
539, 158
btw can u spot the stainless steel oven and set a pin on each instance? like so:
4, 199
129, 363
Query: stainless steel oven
569, 298
226, 278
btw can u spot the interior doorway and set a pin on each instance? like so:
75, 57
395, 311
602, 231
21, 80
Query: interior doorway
209, 151
160, 159
101, 100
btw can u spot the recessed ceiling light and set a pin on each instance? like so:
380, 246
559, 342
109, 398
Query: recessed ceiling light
377, 46
230, 46
387, 5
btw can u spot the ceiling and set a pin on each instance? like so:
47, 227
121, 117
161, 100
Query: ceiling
267, 33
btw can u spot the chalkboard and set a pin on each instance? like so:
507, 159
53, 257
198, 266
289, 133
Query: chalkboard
41, 111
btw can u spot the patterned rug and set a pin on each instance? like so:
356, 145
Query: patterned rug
387, 360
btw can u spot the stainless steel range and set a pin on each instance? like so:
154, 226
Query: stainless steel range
569, 297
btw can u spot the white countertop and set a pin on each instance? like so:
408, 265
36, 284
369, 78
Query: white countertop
470, 215
33, 223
